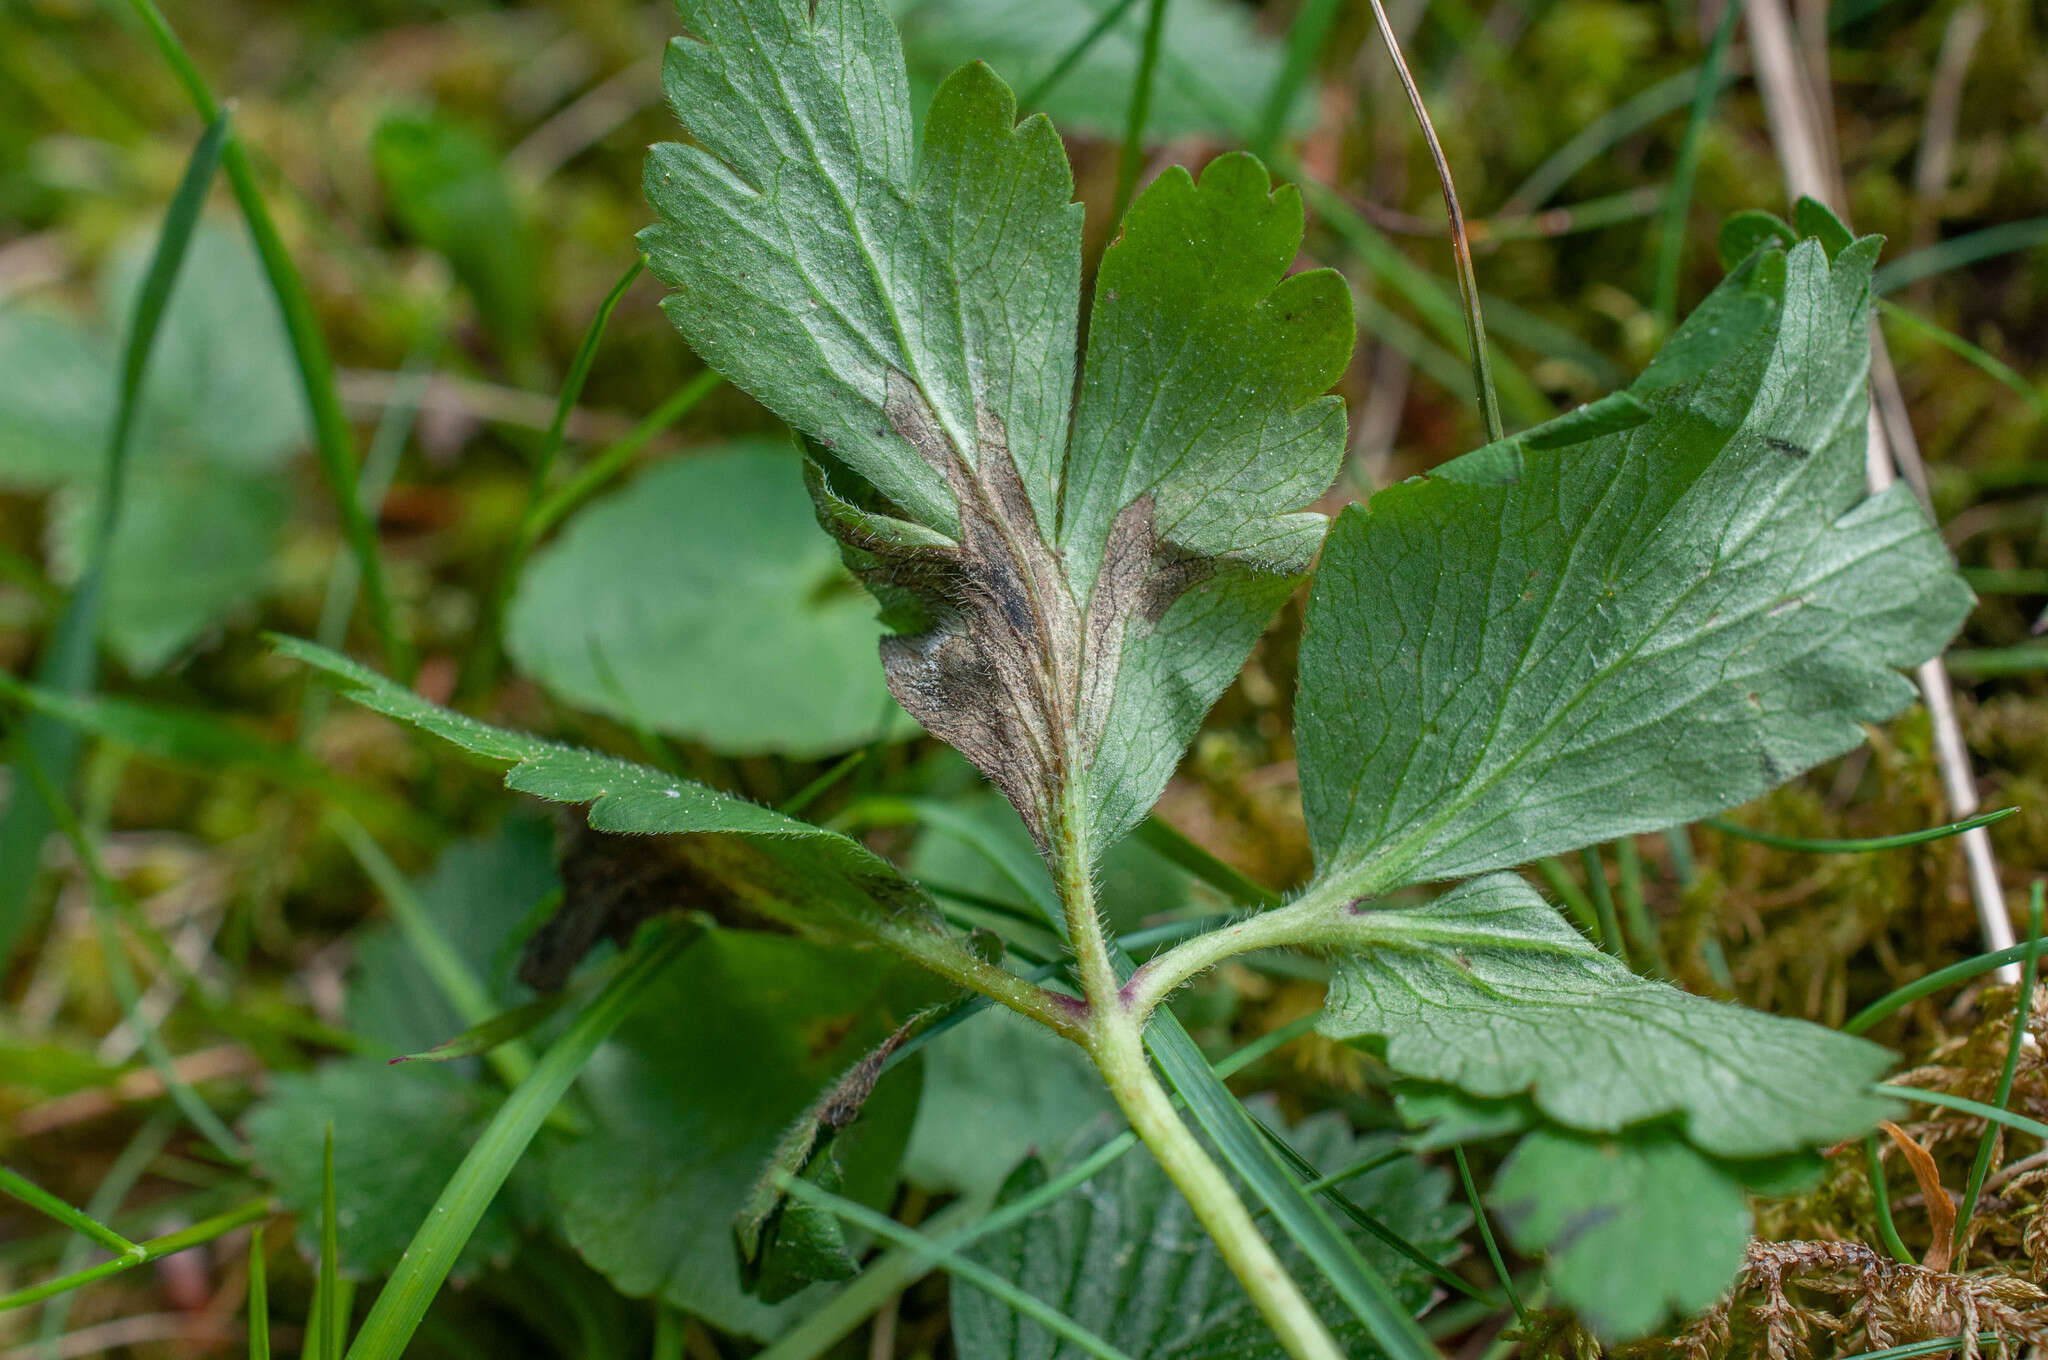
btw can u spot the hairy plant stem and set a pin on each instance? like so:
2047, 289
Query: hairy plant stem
1307, 921
1057, 1012
1115, 1041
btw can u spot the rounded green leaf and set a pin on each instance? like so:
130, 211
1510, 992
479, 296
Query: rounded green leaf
692, 1094
702, 601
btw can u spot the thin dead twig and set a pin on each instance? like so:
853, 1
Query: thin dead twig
1791, 108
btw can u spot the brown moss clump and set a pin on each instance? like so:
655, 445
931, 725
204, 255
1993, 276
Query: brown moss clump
1791, 1295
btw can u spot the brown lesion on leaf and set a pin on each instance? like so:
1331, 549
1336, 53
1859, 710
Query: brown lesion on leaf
999, 660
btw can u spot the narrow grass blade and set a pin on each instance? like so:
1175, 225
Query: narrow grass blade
2022, 1012
344, 578
196, 739
1266, 1044
70, 653
895, 1271
155, 1249
1304, 1173
1603, 902
1016, 864
1933, 982
1131, 159
105, 899
1914, 1349
1305, 41
259, 1298
1045, 84
452, 975
1500, 1266
1859, 847
1534, 331
1571, 894
668, 1333
1461, 244
1172, 844
1428, 358
488, 644
2006, 580
1357, 1168
1635, 908
1964, 1105
612, 460
1958, 251
481, 1039
332, 436
1881, 1193
960, 1267
823, 784
1989, 663
106, 1201
1678, 205
405, 1297
18, 1186
1983, 359
1593, 140
1437, 305
1238, 1137
327, 1323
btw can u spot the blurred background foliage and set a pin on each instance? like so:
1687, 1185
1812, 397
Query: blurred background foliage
459, 185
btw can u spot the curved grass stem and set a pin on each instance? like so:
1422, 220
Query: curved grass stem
1461, 242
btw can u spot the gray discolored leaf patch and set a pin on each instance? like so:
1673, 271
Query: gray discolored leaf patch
1072, 575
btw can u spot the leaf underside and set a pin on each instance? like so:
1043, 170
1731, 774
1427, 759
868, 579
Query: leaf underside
820, 882
692, 1095
1548, 645
1488, 990
1072, 579
1648, 611
1634, 1229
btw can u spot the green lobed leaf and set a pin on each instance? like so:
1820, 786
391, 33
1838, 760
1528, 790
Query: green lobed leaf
1486, 989
1635, 1229
1632, 631
399, 1134
701, 601
818, 881
479, 892
1216, 65
221, 388
1065, 609
1124, 1257
167, 584
218, 412
691, 1098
